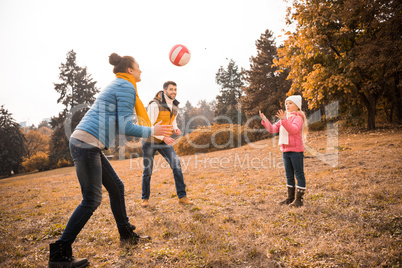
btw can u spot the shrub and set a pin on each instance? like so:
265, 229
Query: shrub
133, 149
64, 163
39, 161
215, 137
316, 126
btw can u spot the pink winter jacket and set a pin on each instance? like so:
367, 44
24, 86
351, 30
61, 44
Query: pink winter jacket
294, 126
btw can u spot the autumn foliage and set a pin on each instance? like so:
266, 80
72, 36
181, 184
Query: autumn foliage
216, 137
39, 161
37, 141
348, 51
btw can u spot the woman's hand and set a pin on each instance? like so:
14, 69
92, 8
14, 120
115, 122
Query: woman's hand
177, 132
281, 115
262, 116
163, 130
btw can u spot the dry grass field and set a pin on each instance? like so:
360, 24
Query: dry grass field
352, 215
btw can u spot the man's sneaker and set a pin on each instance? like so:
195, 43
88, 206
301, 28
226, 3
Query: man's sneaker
186, 201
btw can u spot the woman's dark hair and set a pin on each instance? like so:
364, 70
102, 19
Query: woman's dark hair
121, 63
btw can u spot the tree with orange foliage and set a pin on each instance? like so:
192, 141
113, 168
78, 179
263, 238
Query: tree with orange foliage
36, 142
345, 50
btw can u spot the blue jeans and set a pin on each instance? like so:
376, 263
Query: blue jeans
293, 162
167, 151
93, 170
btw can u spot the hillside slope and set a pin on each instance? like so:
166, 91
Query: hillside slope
352, 215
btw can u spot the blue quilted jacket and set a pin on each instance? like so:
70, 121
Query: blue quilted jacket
112, 114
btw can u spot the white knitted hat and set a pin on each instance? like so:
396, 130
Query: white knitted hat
296, 99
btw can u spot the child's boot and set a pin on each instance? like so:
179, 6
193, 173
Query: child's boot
291, 196
299, 198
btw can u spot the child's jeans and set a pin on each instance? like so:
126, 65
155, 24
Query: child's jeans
293, 162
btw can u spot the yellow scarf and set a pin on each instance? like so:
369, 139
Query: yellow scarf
142, 115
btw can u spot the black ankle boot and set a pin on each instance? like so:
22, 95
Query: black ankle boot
127, 235
61, 256
291, 196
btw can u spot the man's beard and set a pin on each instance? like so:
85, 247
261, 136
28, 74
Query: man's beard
169, 96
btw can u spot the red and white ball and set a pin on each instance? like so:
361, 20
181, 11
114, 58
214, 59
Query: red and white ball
179, 55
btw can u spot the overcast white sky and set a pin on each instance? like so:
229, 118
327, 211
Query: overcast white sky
37, 34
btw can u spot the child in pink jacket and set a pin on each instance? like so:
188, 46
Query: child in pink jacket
290, 128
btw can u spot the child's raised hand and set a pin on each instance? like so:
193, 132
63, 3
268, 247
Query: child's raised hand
262, 116
281, 115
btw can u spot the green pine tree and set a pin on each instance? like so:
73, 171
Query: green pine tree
12, 144
228, 106
77, 90
266, 88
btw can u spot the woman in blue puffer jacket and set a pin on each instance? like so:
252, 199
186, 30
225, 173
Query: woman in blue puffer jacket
110, 115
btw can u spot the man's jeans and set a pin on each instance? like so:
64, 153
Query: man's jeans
93, 170
293, 162
167, 151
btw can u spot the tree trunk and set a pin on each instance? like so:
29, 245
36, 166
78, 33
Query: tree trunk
399, 111
370, 102
322, 112
398, 100
391, 114
371, 117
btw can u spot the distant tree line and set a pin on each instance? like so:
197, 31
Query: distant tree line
344, 51
36, 150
